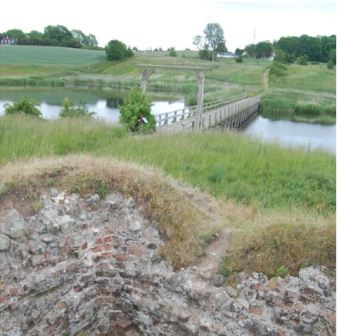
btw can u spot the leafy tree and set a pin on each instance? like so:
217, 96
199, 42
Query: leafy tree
116, 50
330, 65
302, 60
214, 36
62, 36
221, 47
80, 110
24, 106
172, 52
239, 59
205, 54
259, 50
239, 52
135, 112
17, 34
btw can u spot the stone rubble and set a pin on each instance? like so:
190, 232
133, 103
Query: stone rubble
86, 266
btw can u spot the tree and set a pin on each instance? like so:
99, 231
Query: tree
214, 36
62, 36
239, 52
172, 52
16, 34
135, 112
116, 50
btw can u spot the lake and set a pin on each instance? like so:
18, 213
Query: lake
293, 134
103, 103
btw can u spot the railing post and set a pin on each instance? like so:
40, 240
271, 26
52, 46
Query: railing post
200, 99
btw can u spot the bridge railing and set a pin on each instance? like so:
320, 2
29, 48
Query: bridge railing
167, 118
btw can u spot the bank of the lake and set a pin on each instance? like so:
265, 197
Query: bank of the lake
309, 136
226, 165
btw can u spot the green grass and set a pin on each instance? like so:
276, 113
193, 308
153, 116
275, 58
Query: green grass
298, 107
311, 77
36, 55
229, 166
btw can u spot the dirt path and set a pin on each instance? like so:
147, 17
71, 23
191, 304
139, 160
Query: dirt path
265, 80
209, 265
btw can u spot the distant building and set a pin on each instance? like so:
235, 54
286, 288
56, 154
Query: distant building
7, 40
226, 54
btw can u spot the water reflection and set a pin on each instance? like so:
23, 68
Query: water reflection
293, 134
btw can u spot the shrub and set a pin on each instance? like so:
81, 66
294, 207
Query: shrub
80, 110
330, 65
25, 106
172, 52
239, 59
282, 271
116, 50
302, 60
135, 112
278, 69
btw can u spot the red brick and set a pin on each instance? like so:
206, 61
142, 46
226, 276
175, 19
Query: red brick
255, 310
84, 246
107, 239
96, 249
123, 325
3, 299
106, 255
99, 240
107, 247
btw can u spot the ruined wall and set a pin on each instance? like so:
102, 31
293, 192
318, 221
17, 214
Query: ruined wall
85, 266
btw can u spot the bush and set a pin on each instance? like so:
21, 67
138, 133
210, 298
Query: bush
25, 105
173, 53
205, 54
116, 50
278, 69
135, 112
330, 65
302, 60
80, 110
239, 59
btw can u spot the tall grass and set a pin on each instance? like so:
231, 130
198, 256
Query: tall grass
283, 107
226, 165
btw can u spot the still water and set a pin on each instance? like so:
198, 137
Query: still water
104, 104
294, 134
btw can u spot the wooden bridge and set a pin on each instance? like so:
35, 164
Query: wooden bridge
230, 113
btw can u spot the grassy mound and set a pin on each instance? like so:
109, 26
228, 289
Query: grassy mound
184, 223
288, 246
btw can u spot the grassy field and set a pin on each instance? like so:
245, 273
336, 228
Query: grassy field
279, 204
36, 55
225, 165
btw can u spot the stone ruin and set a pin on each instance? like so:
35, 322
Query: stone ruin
88, 266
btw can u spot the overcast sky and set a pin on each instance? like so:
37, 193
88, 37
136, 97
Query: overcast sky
166, 23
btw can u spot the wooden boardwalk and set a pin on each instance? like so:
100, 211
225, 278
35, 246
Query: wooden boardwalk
231, 113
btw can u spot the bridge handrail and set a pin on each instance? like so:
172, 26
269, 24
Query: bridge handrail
189, 111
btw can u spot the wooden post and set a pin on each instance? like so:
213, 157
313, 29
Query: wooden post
200, 99
145, 75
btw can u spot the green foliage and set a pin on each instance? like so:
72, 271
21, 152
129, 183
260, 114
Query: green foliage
330, 65
259, 50
24, 106
80, 110
117, 50
302, 60
239, 59
135, 112
282, 271
314, 48
205, 54
172, 52
277, 69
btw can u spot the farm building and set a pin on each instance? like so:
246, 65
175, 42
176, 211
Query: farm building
7, 40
